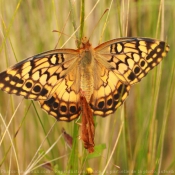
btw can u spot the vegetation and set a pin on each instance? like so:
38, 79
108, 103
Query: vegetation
139, 138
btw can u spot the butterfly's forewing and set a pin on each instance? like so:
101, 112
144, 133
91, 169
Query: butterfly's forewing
37, 77
125, 61
132, 58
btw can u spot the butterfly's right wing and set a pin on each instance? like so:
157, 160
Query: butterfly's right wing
121, 63
109, 91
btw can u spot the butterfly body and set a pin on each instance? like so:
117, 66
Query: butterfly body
87, 69
104, 74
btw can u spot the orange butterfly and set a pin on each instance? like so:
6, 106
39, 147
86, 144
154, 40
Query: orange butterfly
104, 74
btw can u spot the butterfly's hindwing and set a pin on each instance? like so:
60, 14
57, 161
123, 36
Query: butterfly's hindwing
65, 102
60, 109
109, 92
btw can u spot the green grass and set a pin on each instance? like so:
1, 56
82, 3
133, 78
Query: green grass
139, 137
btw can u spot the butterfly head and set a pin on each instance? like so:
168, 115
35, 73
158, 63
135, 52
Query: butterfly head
85, 45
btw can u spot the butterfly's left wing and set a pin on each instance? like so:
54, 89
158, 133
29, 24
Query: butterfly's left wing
50, 78
121, 63
65, 103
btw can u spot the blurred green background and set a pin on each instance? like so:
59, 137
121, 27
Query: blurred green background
146, 143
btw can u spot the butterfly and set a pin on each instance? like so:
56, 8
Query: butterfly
104, 74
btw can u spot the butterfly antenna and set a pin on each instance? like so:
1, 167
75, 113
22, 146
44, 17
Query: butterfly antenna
62, 30
98, 22
64, 34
